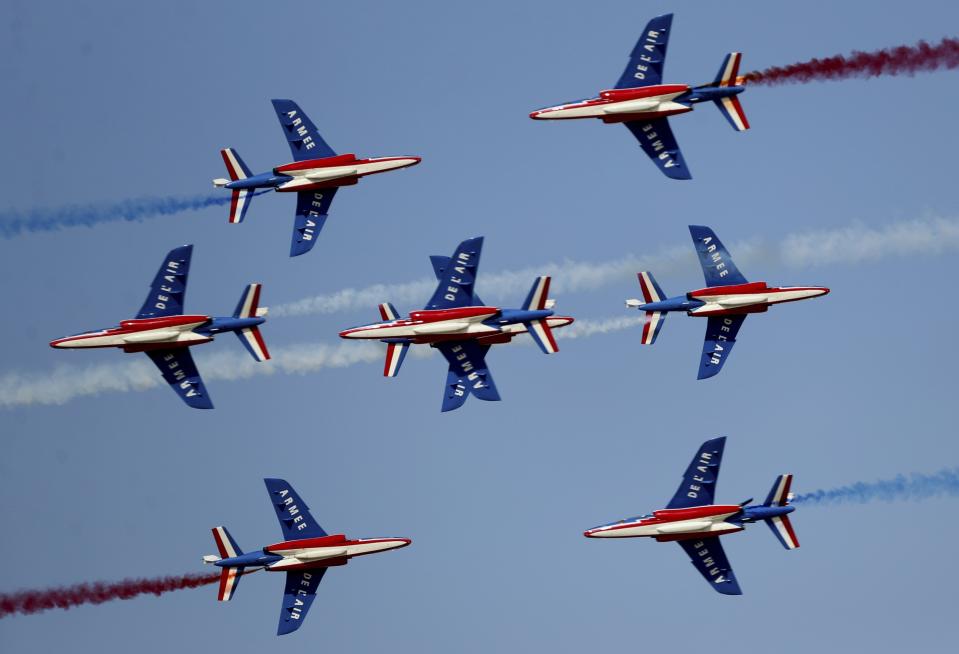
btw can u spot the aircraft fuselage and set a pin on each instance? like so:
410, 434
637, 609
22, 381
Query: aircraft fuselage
642, 103
309, 553
484, 324
141, 334
341, 170
754, 297
689, 523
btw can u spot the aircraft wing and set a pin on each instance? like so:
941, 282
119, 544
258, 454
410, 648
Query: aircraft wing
646, 61
657, 140
699, 480
300, 132
718, 266
440, 264
168, 289
720, 337
292, 512
455, 288
708, 557
298, 596
467, 374
312, 209
179, 371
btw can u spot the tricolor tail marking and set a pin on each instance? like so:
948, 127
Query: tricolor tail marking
395, 353
228, 582
538, 295
240, 200
540, 330
249, 307
388, 311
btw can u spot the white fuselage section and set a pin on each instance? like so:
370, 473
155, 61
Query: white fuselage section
467, 327
696, 525
360, 168
718, 303
120, 337
299, 557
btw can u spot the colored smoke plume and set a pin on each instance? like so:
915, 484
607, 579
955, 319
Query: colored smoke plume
26, 602
14, 223
901, 60
916, 486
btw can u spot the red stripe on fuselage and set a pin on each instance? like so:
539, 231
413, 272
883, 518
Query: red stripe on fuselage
437, 315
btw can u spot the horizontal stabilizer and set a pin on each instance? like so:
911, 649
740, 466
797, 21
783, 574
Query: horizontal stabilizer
395, 353
651, 326
229, 580
782, 529
543, 335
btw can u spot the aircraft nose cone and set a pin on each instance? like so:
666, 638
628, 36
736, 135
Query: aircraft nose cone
534, 114
589, 533
56, 343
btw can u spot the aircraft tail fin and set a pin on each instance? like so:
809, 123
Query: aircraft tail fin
229, 577
249, 307
729, 106
781, 527
651, 293
538, 300
237, 170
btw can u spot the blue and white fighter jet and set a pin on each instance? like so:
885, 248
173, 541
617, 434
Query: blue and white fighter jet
166, 334
462, 327
726, 301
315, 175
643, 103
304, 554
696, 523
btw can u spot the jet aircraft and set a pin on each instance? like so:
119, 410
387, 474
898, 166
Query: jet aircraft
726, 301
692, 520
643, 103
165, 333
315, 175
304, 554
462, 327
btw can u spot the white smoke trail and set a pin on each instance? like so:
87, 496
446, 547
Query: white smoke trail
587, 328
856, 243
568, 277
66, 383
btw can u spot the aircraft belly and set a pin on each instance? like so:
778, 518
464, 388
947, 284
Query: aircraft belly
441, 328
151, 336
684, 526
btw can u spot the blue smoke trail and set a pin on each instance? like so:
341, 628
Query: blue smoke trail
915, 487
15, 223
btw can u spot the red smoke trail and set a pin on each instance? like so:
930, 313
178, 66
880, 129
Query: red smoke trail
901, 60
66, 597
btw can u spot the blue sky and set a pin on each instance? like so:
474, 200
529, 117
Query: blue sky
112, 101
